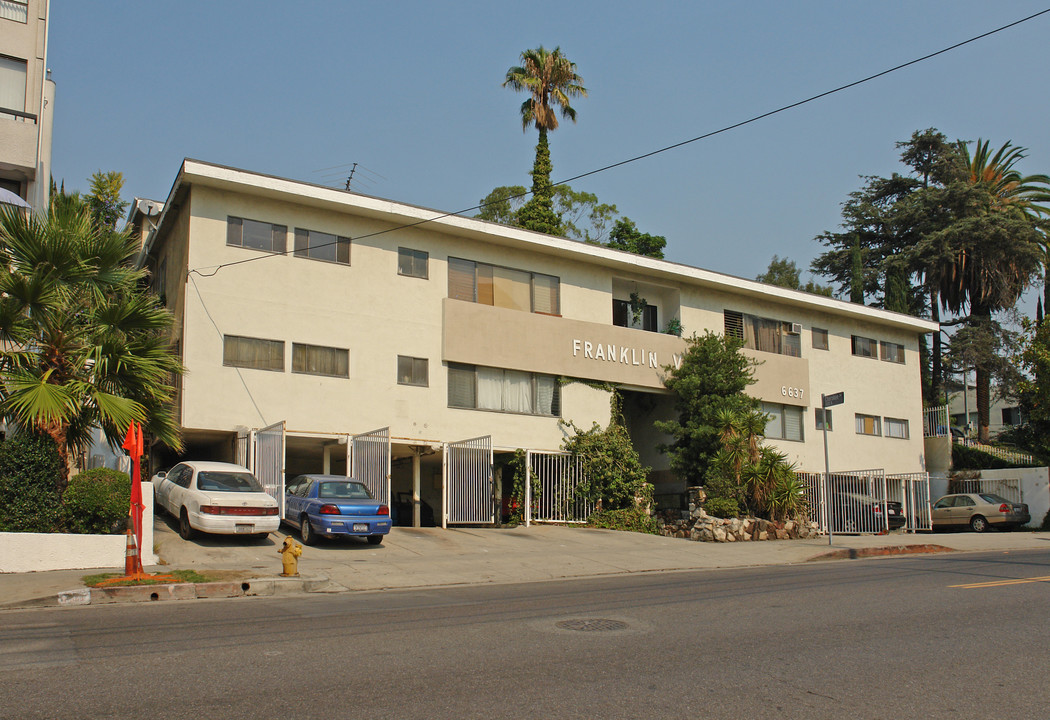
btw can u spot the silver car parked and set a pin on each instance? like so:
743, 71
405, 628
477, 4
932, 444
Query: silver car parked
979, 511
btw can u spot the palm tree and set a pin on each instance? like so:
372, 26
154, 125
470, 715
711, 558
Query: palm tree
551, 80
82, 345
987, 256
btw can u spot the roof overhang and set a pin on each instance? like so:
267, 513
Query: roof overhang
399, 215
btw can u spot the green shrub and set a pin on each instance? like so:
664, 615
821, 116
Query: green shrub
30, 470
97, 502
968, 458
723, 507
628, 519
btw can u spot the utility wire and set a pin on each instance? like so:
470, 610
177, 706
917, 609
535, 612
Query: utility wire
666, 148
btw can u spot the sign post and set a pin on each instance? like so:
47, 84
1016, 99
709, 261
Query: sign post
827, 401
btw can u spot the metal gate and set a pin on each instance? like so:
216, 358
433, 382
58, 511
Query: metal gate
1007, 488
242, 449
554, 488
268, 464
370, 460
856, 501
912, 491
468, 483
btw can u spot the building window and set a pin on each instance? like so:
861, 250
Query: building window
892, 352
12, 84
495, 389
868, 425
412, 371
819, 414
412, 263
820, 339
256, 235
322, 246
320, 360
774, 336
17, 10
865, 347
624, 317
896, 428
784, 421
256, 353
1011, 416
503, 287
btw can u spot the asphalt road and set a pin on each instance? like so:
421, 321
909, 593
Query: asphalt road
934, 636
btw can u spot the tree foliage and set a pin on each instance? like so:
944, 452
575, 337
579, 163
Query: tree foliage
551, 81
104, 198
82, 345
31, 472
711, 381
580, 216
615, 475
625, 235
785, 273
959, 233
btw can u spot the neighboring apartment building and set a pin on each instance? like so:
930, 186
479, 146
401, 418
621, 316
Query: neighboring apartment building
26, 101
323, 330
1003, 413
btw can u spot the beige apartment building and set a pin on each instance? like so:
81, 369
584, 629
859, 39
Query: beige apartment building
326, 331
26, 101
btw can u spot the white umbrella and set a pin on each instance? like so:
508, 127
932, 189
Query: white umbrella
9, 198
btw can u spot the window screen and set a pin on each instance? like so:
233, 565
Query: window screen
412, 263
320, 360
256, 353
412, 371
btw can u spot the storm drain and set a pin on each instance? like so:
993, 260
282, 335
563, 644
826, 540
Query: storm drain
591, 625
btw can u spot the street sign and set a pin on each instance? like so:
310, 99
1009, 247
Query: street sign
831, 400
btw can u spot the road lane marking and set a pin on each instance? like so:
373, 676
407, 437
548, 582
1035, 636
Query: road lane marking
1000, 583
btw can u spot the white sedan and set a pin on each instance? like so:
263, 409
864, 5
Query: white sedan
216, 497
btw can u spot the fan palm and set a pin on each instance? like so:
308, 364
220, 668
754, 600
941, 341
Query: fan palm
551, 81
81, 344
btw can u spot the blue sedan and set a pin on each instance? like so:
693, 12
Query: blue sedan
333, 505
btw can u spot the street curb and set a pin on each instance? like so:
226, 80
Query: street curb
252, 587
855, 553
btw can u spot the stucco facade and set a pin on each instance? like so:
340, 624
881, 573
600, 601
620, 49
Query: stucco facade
363, 303
26, 101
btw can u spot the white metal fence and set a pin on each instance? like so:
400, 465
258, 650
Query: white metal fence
559, 482
936, 422
866, 501
1008, 488
468, 482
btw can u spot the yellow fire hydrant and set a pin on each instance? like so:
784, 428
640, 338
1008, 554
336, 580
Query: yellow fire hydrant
290, 557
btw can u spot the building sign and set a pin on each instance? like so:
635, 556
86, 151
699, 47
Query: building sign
484, 335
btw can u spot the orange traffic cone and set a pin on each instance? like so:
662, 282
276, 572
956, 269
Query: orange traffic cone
132, 562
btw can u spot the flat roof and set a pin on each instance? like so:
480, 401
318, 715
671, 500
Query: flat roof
401, 215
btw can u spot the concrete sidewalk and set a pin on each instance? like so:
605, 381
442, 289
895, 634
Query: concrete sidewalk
429, 557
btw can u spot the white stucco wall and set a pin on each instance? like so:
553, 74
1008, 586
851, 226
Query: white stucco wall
1035, 488
36, 552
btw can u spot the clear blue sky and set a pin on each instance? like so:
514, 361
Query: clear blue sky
412, 91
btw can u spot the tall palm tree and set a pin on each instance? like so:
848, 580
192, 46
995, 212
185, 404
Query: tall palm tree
987, 256
551, 80
82, 345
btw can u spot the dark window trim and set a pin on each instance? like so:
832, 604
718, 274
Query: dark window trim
426, 371
415, 254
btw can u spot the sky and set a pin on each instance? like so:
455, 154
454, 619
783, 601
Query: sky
412, 92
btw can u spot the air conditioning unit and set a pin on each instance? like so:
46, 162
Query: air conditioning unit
796, 328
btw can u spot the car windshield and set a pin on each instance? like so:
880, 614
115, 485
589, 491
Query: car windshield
221, 481
343, 490
993, 498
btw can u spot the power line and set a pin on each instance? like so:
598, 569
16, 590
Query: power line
674, 146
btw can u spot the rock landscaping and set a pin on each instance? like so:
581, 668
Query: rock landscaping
695, 524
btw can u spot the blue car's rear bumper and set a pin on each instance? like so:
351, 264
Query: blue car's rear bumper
350, 525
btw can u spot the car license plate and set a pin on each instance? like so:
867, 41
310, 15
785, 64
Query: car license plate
360, 527
244, 527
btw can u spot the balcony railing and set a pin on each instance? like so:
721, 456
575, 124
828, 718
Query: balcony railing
18, 115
